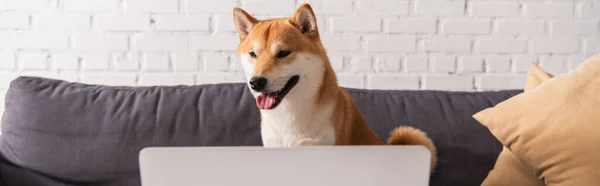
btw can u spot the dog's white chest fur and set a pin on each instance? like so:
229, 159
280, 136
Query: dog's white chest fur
287, 128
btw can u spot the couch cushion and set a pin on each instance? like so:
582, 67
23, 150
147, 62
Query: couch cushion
78, 134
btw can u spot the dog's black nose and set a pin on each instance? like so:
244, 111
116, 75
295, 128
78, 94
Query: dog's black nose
258, 83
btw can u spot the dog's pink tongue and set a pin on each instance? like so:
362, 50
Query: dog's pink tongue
266, 100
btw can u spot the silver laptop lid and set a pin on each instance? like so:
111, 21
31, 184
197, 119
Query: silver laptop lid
302, 166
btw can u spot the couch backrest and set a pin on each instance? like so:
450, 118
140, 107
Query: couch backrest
78, 134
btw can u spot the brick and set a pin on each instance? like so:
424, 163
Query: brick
161, 42
162, 79
5, 40
449, 83
590, 10
26, 5
471, 64
224, 78
388, 64
341, 43
151, 6
348, 65
65, 61
6, 78
68, 76
33, 60
225, 24
351, 81
2, 103
2, 97
122, 22
497, 63
44, 74
466, 26
101, 42
94, 60
215, 43
203, 7
548, 10
126, 61
575, 61
522, 63
554, 64
416, 63
443, 64
39, 41
322, 25
439, 8
331, 7
554, 45
185, 61
389, 82
62, 21
270, 7
591, 46
412, 25
14, 20
362, 64
575, 28
489, 9
336, 61
383, 7
216, 63
7, 60
520, 27
65, 76
442, 44
158, 61
91, 6
498, 45
355, 25
235, 64
501, 82
112, 79
181, 23
391, 43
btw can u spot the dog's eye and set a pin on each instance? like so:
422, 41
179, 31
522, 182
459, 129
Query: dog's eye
282, 54
252, 54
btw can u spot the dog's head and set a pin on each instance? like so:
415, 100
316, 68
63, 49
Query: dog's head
282, 57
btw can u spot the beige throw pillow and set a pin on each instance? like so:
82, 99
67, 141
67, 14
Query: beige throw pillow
509, 170
555, 127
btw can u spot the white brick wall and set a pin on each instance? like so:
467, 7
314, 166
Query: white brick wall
91, 6
494, 9
115, 22
49, 21
412, 25
557, 10
439, 8
181, 23
466, 45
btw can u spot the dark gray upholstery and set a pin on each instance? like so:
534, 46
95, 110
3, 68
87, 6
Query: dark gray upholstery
59, 133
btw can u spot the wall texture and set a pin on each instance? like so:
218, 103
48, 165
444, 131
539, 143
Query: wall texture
379, 44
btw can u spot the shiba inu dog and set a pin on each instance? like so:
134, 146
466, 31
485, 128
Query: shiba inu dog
296, 88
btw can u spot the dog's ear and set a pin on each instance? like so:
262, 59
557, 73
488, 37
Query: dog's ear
305, 20
243, 22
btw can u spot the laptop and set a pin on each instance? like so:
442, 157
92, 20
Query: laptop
300, 166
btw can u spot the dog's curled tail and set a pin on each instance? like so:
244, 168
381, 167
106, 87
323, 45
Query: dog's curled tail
411, 136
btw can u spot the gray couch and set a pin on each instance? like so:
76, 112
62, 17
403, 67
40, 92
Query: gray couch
60, 133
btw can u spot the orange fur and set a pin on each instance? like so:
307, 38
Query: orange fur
410, 136
349, 125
